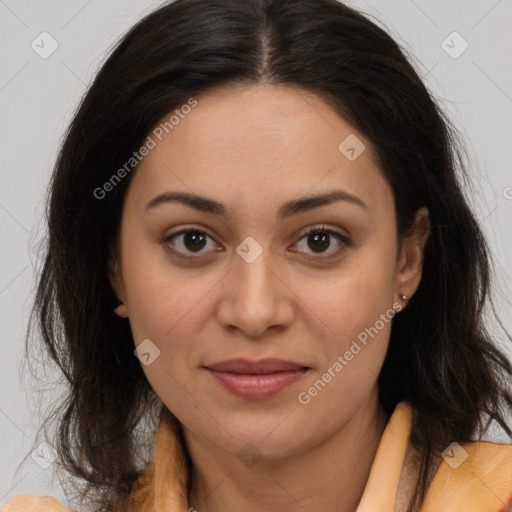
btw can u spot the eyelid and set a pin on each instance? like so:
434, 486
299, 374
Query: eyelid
322, 228
319, 228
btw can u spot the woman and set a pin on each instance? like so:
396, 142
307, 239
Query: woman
268, 198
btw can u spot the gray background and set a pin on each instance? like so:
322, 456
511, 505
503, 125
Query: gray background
38, 97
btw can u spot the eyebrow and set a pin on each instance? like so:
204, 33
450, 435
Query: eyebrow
294, 207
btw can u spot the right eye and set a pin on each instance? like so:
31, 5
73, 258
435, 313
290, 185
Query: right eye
192, 240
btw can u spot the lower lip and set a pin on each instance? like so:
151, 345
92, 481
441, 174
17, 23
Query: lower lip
257, 386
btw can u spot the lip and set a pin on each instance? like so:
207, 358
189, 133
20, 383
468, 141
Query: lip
263, 366
256, 380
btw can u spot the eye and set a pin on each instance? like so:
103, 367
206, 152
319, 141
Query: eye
188, 240
318, 239
194, 241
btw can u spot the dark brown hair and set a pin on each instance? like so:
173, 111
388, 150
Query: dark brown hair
441, 358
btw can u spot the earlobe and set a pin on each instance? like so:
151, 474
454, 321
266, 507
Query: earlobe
410, 266
117, 286
121, 310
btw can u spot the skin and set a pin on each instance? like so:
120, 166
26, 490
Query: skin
253, 148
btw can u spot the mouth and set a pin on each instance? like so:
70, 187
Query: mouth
256, 380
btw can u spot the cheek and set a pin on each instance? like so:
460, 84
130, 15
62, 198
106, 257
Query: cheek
357, 318
162, 297
172, 317
352, 300
168, 309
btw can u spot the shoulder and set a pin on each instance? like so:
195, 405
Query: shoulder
475, 476
27, 503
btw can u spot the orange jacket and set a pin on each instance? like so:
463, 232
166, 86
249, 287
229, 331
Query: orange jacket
472, 477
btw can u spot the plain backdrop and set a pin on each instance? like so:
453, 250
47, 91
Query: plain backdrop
38, 97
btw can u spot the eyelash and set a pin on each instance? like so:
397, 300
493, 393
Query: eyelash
311, 231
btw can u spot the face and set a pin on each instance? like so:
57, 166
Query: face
240, 277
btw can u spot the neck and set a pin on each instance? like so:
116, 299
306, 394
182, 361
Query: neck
328, 476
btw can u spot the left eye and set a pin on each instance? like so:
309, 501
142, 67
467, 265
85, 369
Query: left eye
319, 240
194, 241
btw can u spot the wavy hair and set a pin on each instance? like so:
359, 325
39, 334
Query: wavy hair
442, 357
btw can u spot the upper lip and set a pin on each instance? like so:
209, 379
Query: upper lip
269, 365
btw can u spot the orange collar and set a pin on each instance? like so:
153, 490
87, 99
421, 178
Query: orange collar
482, 483
154, 492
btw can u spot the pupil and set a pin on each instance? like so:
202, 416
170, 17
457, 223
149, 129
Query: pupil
320, 242
194, 240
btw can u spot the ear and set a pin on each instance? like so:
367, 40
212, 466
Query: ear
116, 281
410, 262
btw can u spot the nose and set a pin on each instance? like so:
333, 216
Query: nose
257, 297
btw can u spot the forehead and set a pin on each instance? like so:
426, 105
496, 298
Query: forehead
256, 142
